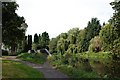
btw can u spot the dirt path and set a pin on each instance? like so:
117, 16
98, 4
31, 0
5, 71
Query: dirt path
46, 69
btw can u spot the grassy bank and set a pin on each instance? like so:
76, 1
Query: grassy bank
87, 65
72, 71
38, 58
76, 72
13, 69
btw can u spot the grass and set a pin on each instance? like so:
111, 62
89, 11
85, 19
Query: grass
38, 58
77, 73
13, 69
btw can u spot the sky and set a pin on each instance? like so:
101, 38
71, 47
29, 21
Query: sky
59, 16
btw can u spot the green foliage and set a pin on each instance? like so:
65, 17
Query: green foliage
55, 59
60, 46
72, 34
64, 35
100, 56
39, 42
38, 58
77, 73
116, 24
45, 39
116, 48
107, 35
95, 44
53, 45
116, 16
91, 31
36, 39
34, 46
92, 45
25, 44
11, 25
29, 42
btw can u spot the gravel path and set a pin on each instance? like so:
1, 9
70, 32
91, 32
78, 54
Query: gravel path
46, 69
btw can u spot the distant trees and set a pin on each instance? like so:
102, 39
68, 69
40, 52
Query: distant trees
41, 41
12, 30
75, 40
24, 43
94, 38
29, 42
36, 40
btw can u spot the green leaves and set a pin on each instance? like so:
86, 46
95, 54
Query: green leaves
107, 35
91, 31
95, 44
12, 32
116, 16
45, 39
36, 38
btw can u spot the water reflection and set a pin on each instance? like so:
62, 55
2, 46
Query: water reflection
104, 69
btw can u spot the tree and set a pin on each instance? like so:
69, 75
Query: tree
80, 37
91, 31
116, 25
45, 40
29, 42
12, 30
39, 42
25, 44
116, 16
60, 46
36, 40
107, 35
95, 44
64, 35
72, 35
116, 48
53, 45
62, 43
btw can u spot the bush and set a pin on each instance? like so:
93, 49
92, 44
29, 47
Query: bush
38, 58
